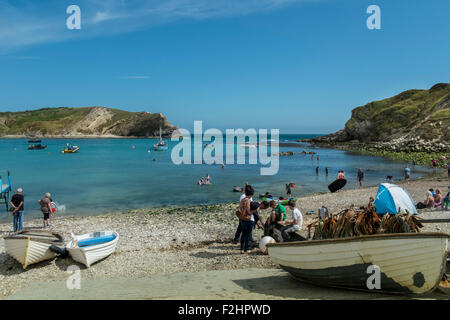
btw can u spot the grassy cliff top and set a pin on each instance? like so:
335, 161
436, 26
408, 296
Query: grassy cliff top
68, 120
427, 112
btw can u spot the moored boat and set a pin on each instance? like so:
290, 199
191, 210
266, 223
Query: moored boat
408, 262
92, 247
71, 149
161, 145
32, 246
37, 146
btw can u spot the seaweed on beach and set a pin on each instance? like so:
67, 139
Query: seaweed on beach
359, 222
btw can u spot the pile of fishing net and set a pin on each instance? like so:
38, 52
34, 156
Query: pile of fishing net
359, 222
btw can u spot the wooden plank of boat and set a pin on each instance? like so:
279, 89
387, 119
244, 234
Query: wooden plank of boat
32, 246
408, 262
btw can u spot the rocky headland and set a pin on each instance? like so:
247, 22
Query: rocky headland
83, 122
414, 122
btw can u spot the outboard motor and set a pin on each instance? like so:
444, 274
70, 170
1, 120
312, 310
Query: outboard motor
62, 252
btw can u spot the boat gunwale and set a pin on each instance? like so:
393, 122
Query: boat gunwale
96, 246
42, 234
382, 236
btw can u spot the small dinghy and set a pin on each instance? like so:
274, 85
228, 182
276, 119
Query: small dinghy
32, 246
92, 247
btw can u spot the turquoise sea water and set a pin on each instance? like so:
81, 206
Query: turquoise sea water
109, 174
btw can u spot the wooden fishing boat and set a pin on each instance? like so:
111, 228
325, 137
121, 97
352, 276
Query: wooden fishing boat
32, 246
408, 262
92, 247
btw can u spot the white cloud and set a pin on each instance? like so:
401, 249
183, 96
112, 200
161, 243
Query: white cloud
24, 22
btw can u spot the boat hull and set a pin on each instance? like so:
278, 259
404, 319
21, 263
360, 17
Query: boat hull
408, 263
28, 251
92, 254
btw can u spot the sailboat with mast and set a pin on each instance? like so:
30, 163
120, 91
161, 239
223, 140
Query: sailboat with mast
161, 145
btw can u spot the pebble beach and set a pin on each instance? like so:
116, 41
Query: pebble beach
181, 239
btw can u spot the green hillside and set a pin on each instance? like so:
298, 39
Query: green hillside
80, 121
423, 113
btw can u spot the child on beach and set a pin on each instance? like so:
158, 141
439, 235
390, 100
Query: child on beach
360, 177
407, 174
288, 190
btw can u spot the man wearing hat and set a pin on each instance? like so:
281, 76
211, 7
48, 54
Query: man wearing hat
17, 204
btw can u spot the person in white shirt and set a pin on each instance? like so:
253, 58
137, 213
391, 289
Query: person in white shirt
293, 225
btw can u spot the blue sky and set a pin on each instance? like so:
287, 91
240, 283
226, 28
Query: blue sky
297, 65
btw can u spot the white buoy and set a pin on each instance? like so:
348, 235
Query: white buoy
263, 243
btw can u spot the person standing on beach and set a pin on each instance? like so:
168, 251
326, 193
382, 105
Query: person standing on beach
247, 220
17, 202
288, 190
317, 157
360, 177
238, 233
46, 208
326, 171
407, 173
317, 171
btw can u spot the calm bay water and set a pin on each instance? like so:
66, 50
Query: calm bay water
109, 174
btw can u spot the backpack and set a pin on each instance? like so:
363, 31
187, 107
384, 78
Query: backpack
244, 216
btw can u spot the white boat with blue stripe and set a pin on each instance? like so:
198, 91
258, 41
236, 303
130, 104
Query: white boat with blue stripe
92, 247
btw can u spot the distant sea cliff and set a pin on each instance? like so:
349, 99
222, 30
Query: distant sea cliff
83, 122
413, 125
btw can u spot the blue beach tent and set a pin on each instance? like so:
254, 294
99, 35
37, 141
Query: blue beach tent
392, 199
